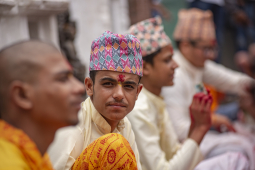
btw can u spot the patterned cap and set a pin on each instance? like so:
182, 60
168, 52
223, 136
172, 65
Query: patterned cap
151, 34
116, 52
195, 24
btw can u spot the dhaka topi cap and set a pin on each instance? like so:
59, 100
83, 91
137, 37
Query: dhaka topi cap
151, 35
116, 52
194, 24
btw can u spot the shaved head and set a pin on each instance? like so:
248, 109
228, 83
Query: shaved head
22, 61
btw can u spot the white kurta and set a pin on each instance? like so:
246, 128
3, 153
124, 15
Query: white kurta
71, 141
179, 96
155, 137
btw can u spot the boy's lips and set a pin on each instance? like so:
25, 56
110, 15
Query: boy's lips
115, 104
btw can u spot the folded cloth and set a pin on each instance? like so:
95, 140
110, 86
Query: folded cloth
111, 151
229, 160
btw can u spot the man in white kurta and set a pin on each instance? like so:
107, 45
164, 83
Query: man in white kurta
113, 88
156, 139
196, 45
179, 96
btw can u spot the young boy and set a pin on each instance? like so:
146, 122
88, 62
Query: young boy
156, 139
113, 87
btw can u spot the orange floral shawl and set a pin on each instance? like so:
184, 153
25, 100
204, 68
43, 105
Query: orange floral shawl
26, 146
111, 151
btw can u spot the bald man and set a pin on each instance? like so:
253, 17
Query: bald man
38, 96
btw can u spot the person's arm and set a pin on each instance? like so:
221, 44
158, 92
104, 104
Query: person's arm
178, 98
148, 140
130, 136
224, 79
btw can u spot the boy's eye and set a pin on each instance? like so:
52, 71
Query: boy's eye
129, 86
167, 60
107, 84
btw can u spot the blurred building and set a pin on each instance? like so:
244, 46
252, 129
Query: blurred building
37, 19
93, 17
30, 19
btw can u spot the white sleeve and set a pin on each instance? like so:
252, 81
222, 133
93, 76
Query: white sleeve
130, 136
224, 79
177, 100
152, 156
66, 147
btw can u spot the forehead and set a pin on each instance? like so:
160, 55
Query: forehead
54, 62
115, 75
166, 52
207, 42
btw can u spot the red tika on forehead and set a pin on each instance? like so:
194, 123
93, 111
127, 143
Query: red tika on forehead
121, 78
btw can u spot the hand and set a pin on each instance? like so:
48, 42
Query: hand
220, 122
200, 110
200, 115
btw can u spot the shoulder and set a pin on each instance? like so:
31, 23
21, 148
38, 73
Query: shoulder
11, 157
142, 102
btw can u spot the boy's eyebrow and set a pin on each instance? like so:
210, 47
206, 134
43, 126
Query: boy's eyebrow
115, 81
130, 82
107, 79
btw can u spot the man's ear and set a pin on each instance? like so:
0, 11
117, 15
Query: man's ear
139, 88
21, 94
89, 86
146, 68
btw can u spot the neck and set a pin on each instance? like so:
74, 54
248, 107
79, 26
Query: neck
151, 87
41, 135
113, 124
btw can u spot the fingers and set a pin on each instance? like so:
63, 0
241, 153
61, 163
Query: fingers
196, 101
208, 105
230, 127
205, 104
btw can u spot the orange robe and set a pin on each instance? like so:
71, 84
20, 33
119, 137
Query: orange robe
19, 152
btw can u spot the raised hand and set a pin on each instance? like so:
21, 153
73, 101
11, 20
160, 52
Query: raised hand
200, 116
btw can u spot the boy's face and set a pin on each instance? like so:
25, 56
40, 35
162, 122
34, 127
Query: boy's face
113, 93
201, 51
161, 73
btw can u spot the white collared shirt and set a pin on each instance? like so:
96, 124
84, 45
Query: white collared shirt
155, 137
71, 141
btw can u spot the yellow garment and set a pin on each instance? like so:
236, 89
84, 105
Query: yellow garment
111, 151
19, 152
